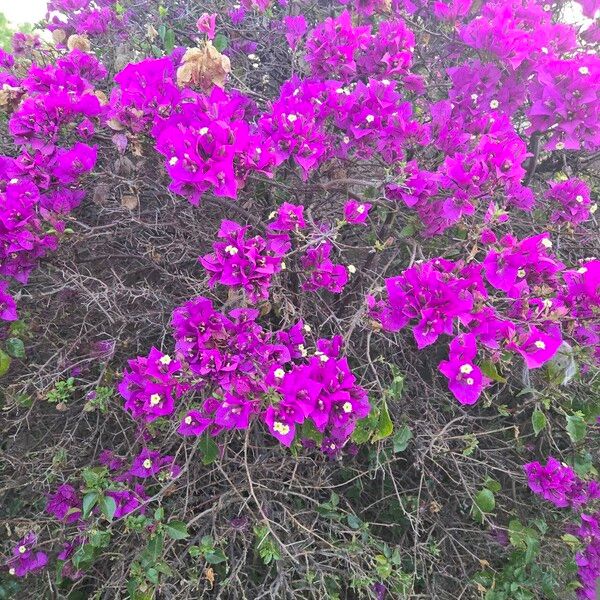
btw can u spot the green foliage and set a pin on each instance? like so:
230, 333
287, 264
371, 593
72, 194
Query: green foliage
520, 578
208, 551
266, 546
62, 391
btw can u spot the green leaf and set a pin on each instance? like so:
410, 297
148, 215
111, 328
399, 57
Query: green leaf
576, 427
152, 575
89, 501
492, 485
489, 369
4, 363
159, 513
220, 42
573, 541
354, 522
108, 506
209, 449
538, 420
154, 548
169, 41
177, 530
99, 539
385, 427
215, 556
485, 500
401, 438
15, 347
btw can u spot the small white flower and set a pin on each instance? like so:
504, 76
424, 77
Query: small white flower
253, 57
474, 97
582, 270
339, 91
292, 118
351, 269
11, 571
369, 118
584, 71
347, 407
231, 250
203, 131
346, 139
466, 369
302, 349
283, 266
547, 7
307, 328
155, 399
539, 345
22, 549
273, 214
546, 243
469, 381
593, 208
521, 273
165, 360
547, 303
147, 464
360, 209
188, 420
386, 81
14, 180
494, 104
560, 145
279, 373
173, 161
544, 50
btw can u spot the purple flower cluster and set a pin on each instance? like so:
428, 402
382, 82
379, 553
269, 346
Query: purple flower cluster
152, 385
245, 263
25, 558
439, 296
242, 371
588, 559
571, 199
558, 483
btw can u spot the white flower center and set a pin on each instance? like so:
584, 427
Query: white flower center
22, 549
173, 161
369, 118
579, 199
155, 399
347, 407
165, 360
351, 269
231, 250
584, 70
279, 373
292, 118
539, 345
494, 104
203, 131
546, 243
188, 420
281, 428
466, 369
147, 464
360, 209
469, 381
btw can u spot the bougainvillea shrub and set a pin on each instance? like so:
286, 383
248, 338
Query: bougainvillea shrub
301, 300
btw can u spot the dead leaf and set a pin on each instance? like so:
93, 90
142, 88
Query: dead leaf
115, 125
102, 97
204, 67
209, 575
61, 407
151, 32
130, 201
79, 42
59, 36
101, 193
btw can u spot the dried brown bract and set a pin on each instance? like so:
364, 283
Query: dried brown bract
203, 67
